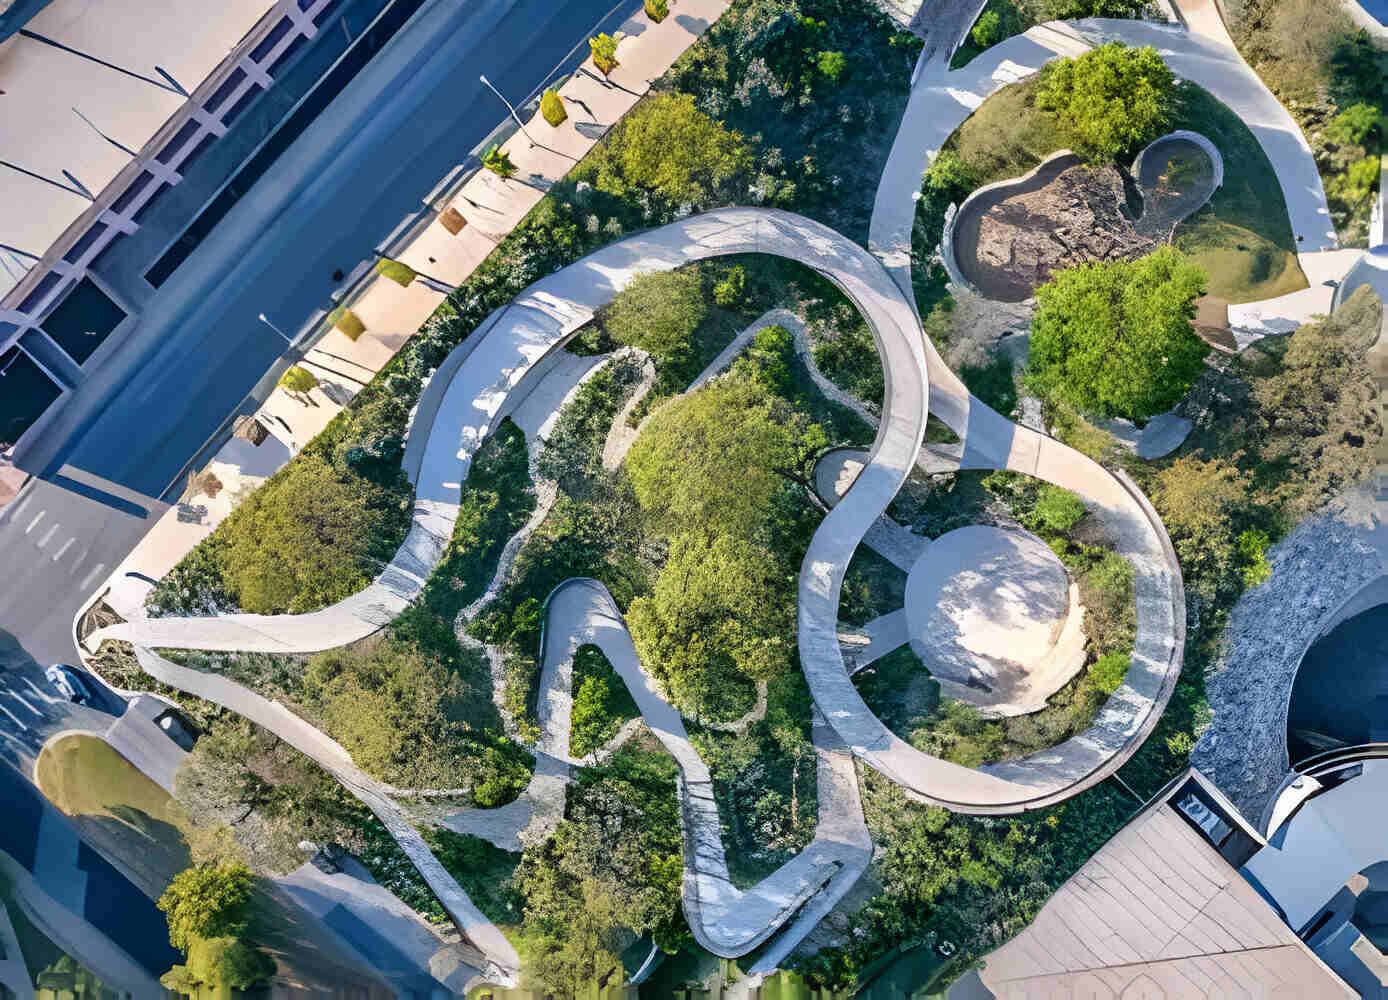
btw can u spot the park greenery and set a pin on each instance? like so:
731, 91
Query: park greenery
601, 702
207, 911
785, 103
1109, 101
1242, 238
1001, 19
1332, 77
1114, 339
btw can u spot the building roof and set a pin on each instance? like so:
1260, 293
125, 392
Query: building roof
1158, 912
42, 83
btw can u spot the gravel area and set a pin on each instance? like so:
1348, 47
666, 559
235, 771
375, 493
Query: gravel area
1319, 575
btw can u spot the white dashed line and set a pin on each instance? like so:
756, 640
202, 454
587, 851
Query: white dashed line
35, 522
48, 535
87, 580
21, 699
40, 692
22, 726
66, 545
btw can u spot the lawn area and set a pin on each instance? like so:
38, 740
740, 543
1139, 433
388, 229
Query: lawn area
1243, 237
116, 807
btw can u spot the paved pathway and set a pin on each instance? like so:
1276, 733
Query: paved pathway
498, 960
941, 99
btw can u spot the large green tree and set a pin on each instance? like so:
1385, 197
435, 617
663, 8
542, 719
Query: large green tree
1109, 100
303, 540
672, 149
1115, 339
206, 901
657, 312
711, 461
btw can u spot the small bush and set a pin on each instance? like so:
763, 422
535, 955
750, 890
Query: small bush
498, 161
1108, 671
604, 48
1057, 510
987, 32
348, 322
731, 290
948, 176
1253, 557
397, 271
657, 10
832, 65
552, 107
1353, 125
296, 379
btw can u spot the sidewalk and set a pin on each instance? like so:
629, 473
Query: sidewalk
490, 207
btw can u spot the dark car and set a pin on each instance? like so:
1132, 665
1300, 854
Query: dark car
69, 683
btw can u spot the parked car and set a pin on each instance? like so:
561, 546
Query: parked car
69, 683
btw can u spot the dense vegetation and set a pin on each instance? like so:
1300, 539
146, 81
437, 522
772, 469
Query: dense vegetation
1110, 101
1114, 339
206, 907
1333, 78
610, 873
746, 116
601, 702
414, 706
1001, 19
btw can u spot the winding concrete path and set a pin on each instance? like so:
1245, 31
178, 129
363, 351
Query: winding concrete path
466, 409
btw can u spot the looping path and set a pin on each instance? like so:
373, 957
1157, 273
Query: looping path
466, 409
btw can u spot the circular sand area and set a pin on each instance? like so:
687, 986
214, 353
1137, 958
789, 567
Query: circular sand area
985, 608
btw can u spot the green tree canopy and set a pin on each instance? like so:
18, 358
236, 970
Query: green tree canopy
1115, 339
297, 379
1111, 99
672, 149
720, 610
710, 462
219, 963
303, 540
205, 902
657, 312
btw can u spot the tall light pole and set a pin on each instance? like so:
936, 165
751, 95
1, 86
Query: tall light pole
287, 339
508, 108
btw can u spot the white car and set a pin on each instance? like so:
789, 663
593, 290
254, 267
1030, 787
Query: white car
69, 684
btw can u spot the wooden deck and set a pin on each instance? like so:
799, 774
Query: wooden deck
1158, 913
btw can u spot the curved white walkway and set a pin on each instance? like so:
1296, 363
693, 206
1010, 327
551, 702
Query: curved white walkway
513, 341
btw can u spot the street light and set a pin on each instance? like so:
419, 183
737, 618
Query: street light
508, 108
287, 339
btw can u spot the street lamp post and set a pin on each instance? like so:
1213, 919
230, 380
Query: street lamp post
287, 339
498, 93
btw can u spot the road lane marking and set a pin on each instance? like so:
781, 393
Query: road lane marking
14, 718
24, 502
21, 699
81, 558
87, 580
48, 535
66, 545
34, 523
40, 692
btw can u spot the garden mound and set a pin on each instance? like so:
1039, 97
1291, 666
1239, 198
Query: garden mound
1009, 238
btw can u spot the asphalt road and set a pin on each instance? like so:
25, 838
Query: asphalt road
411, 115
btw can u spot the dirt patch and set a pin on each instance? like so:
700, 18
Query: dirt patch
1012, 239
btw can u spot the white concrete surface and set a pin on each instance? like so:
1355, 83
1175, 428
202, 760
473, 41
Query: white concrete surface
986, 608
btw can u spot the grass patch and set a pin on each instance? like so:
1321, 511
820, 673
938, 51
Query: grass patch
485, 871
116, 807
601, 702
